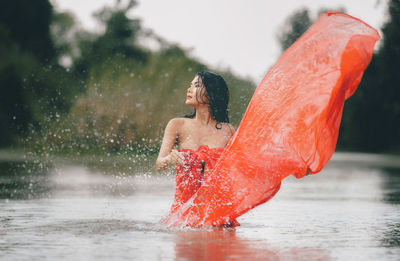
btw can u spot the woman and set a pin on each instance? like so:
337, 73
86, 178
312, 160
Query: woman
195, 142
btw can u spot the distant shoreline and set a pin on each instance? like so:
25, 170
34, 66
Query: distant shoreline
338, 158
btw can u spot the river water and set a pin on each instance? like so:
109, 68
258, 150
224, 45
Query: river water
349, 211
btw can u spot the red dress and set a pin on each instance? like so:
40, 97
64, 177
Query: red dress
190, 176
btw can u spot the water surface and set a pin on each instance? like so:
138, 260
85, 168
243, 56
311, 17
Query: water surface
349, 211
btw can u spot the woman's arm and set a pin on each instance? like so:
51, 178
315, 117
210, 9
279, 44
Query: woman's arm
167, 155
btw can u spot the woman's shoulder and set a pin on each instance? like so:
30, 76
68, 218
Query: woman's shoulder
227, 125
176, 123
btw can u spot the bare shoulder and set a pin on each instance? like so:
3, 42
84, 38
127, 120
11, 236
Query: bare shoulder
176, 123
228, 127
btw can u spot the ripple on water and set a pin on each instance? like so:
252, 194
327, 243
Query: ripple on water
343, 213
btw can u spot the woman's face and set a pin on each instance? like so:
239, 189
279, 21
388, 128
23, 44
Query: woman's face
196, 94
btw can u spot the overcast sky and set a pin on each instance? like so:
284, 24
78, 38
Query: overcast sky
239, 34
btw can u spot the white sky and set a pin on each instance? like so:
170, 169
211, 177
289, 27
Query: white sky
236, 34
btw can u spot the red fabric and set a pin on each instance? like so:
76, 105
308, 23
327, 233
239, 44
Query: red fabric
189, 177
291, 124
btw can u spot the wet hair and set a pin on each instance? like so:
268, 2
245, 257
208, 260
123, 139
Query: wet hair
215, 89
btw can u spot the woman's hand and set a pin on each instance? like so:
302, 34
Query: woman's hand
176, 157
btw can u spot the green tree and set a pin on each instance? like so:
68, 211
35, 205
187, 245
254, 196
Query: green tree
297, 24
389, 55
64, 34
35, 88
119, 39
294, 26
372, 117
25, 44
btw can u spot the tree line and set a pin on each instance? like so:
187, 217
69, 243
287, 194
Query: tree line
63, 88
66, 89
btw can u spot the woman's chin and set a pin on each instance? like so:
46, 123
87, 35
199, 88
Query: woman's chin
189, 103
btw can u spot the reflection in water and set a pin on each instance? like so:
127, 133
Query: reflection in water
220, 245
392, 235
391, 192
24, 180
391, 185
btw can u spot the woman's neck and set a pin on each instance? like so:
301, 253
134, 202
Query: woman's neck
203, 115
